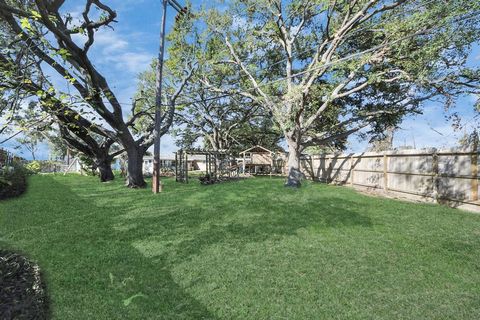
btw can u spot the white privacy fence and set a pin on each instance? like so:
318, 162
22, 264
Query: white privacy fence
440, 175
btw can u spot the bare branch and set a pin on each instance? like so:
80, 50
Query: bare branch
247, 73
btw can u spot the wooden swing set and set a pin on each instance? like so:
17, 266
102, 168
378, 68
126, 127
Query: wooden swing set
219, 166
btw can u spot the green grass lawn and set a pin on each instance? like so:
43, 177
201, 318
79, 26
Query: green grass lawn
250, 249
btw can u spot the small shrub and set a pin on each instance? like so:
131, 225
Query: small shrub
207, 179
13, 181
22, 291
33, 166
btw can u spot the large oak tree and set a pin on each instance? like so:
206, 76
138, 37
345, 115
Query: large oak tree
52, 38
373, 61
35, 107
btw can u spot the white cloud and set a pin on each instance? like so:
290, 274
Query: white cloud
134, 62
473, 98
114, 47
426, 131
109, 41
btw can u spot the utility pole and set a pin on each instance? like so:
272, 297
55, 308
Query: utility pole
156, 183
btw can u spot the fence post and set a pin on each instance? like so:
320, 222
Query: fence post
435, 175
474, 168
352, 171
312, 168
385, 172
328, 175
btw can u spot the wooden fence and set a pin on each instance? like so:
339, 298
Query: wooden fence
7, 158
443, 176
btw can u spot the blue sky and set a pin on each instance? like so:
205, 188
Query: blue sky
124, 52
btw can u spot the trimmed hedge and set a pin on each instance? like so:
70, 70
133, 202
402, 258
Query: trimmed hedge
12, 182
23, 294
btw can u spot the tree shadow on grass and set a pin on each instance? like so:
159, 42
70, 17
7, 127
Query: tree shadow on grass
464, 251
91, 271
234, 219
110, 250
193, 216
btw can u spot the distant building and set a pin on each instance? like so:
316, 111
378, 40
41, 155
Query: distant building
260, 160
195, 162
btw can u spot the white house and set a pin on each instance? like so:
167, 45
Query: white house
195, 162
166, 162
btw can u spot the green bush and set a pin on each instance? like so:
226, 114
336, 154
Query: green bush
13, 181
33, 166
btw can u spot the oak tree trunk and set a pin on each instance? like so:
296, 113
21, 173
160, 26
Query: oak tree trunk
135, 168
105, 169
295, 175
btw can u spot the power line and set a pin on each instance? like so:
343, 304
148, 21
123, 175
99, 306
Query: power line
473, 15
30, 125
22, 130
471, 119
347, 37
326, 65
179, 10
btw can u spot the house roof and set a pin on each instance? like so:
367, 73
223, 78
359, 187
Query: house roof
257, 149
194, 157
203, 152
166, 157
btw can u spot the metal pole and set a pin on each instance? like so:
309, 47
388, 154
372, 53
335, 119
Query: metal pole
156, 184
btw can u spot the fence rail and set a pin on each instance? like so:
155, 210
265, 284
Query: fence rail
439, 175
